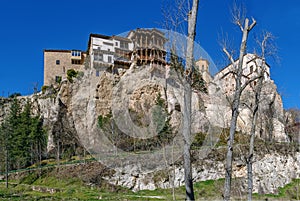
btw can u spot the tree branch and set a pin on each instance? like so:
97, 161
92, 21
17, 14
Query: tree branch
228, 55
253, 24
249, 81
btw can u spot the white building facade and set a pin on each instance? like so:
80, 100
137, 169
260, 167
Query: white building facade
252, 65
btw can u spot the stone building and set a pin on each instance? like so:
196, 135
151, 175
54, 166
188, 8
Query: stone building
251, 65
202, 66
58, 62
108, 53
142, 46
146, 47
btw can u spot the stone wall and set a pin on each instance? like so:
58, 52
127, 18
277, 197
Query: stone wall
53, 69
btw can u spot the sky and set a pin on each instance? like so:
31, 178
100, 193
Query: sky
30, 26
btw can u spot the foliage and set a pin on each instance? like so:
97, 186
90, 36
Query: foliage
198, 140
125, 142
58, 79
287, 192
73, 188
44, 89
14, 95
198, 82
160, 101
23, 136
176, 63
103, 120
162, 121
76, 189
71, 73
239, 138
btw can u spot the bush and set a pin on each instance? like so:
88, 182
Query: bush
71, 73
198, 140
102, 121
14, 95
44, 89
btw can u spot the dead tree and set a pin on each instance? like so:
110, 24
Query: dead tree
175, 19
238, 71
261, 69
187, 109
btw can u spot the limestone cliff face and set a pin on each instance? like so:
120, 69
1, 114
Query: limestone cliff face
71, 117
270, 123
271, 169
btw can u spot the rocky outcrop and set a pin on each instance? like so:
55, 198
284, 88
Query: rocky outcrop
72, 117
271, 171
270, 125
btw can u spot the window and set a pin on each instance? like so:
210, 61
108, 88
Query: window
109, 60
123, 45
251, 69
108, 49
76, 53
202, 67
116, 43
98, 57
97, 73
75, 61
57, 62
110, 44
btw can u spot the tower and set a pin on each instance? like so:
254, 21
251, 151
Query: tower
202, 65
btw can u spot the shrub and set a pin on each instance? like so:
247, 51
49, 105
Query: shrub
102, 120
44, 89
14, 95
198, 140
58, 79
71, 73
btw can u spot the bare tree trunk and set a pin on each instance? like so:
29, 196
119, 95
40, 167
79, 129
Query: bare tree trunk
40, 157
235, 109
6, 157
187, 142
266, 49
6, 168
58, 155
252, 137
192, 19
173, 179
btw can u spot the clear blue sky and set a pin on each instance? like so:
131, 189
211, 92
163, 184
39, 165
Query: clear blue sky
28, 27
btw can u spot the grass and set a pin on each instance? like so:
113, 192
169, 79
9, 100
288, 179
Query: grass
290, 191
75, 189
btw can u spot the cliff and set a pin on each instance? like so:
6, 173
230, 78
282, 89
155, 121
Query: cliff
115, 117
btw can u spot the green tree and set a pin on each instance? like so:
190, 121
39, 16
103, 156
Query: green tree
11, 132
22, 136
38, 140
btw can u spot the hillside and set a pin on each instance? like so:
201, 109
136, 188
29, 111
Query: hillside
131, 124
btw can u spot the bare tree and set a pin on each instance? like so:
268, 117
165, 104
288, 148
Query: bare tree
175, 20
187, 109
266, 50
238, 71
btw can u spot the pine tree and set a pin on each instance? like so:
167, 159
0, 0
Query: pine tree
22, 136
